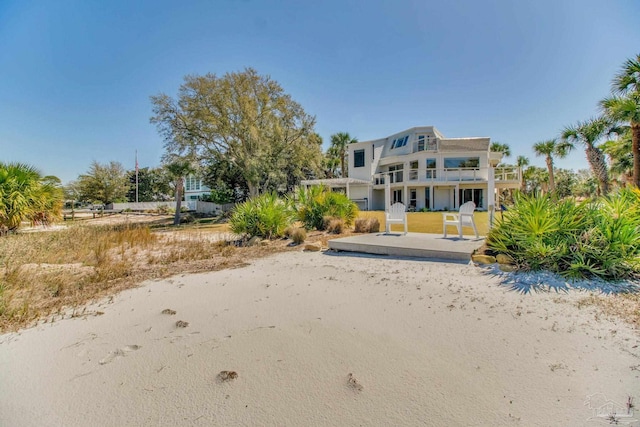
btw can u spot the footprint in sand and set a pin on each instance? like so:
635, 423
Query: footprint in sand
119, 352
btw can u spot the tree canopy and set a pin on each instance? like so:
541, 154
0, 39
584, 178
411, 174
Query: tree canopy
245, 117
104, 183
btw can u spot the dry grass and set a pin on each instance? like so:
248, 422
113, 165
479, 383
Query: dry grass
623, 306
47, 274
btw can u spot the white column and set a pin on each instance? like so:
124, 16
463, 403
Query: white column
387, 192
491, 194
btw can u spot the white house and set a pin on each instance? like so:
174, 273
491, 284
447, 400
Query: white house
194, 189
425, 170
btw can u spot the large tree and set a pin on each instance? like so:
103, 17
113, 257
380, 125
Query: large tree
26, 195
624, 106
549, 149
104, 183
339, 148
154, 184
588, 133
246, 117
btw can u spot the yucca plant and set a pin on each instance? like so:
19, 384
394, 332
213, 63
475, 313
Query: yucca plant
265, 216
312, 205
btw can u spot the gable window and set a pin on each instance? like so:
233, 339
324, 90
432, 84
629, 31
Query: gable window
462, 162
358, 158
400, 142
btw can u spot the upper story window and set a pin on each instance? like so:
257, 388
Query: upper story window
427, 142
358, 158
461, 162
400, 142
192, 183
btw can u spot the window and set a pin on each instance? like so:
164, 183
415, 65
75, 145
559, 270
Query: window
397, 196
358, 158
431, 168
412, 198
399, 142
471, 195
413, 170
191, 183
427, 198
420, 142
395, 173
461, 162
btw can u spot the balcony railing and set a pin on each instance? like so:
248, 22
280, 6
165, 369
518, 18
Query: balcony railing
511, 174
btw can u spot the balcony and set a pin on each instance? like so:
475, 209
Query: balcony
448, 176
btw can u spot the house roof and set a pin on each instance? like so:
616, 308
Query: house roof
464, 144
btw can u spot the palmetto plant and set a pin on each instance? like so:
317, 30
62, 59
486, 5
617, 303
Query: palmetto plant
26, 195
265, 216
315, 203
599, 238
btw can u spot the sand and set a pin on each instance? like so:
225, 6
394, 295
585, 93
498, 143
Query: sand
323, 339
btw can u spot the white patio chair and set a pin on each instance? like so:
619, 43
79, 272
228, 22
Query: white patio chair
397, 214
464, 218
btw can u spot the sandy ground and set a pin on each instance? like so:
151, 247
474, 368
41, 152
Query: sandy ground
323, 339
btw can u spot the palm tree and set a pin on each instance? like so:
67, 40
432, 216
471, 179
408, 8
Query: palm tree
521, 162
498, 147
620, 155
26, 195
624, 106
588, 133
179, 169
549, 149
338, 149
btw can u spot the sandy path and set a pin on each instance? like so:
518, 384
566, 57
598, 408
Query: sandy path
429, 343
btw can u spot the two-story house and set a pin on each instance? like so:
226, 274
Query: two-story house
194, 188
425, 170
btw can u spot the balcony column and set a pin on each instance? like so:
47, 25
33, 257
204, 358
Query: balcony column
491, 194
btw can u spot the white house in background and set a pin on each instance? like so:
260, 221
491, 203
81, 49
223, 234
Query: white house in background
424, 170
194, 189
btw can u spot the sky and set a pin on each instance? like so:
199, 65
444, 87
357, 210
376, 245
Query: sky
76, 76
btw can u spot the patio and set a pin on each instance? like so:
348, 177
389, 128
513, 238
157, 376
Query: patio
420, 245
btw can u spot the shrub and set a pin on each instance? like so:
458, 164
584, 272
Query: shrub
264, 216
334, 225
317, 202
598, 238
367, 225
298, 235
163, 209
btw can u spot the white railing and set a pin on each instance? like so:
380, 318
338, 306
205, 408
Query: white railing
424, 145
449, 175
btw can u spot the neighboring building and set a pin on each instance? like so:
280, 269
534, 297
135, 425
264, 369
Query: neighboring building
194, 189
425, 170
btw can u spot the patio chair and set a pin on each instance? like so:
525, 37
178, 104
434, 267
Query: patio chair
464, 218
397, 214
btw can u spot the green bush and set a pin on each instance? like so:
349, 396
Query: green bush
599, 238
264, 216
317, 202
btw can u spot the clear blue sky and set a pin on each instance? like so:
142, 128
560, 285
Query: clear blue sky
76, 75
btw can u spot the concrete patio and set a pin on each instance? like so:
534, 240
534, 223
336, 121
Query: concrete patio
421, 245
